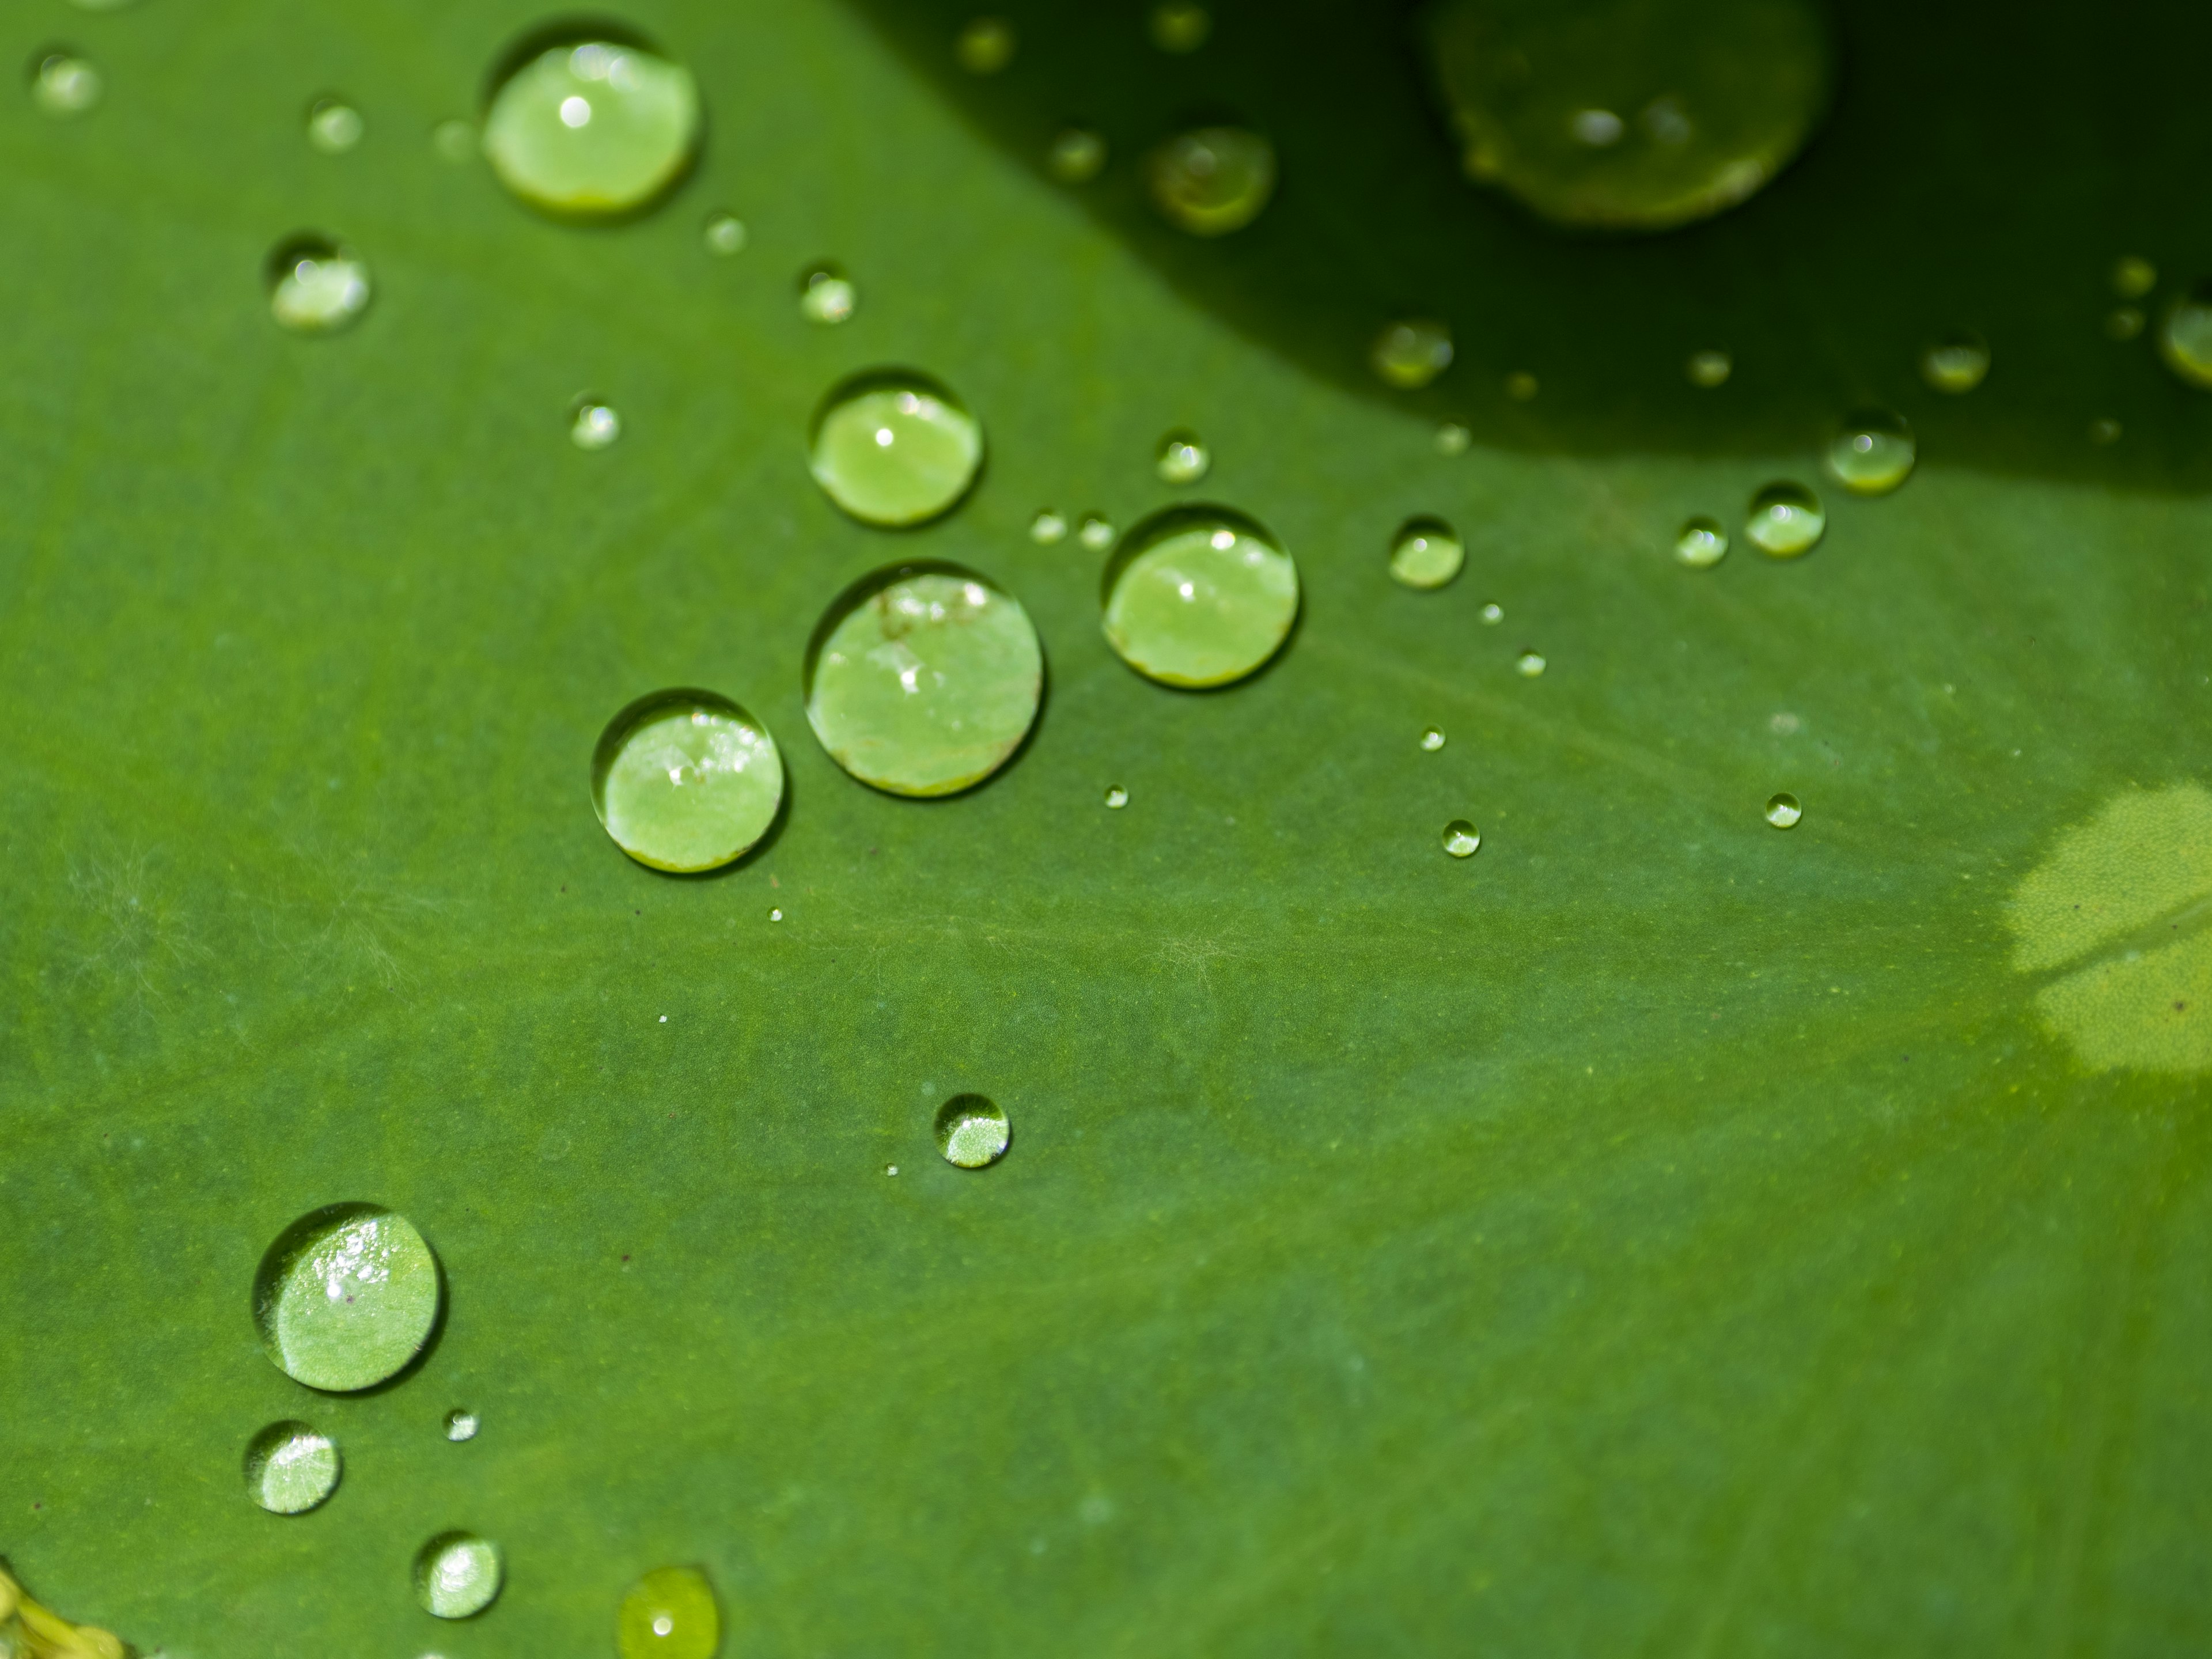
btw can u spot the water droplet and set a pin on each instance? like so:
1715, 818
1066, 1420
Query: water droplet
461, 1424
593, 424
1180, 27
1076, 157
1426, 553
1872, 452
1709, 369
1957, 362
334, 126
894, 447
1701, 543
686, 780
2133, 277
775, 916
316, 286
670, 1614
826, 295
1432, 740
1521, 386
1452, 439
1182, 458
985, 46
1116, 797
1783, 812
1784, 520
1198, 596
972, 1133
2104, 431
2123, 323
1461, 839
2184, 338
458, 1574
1540, 96
923, 679
1492, 614
592, 128
346, 1297
724, 234
1213, 182
1411, 353
1528, 664
1047, 527
290, 1468
1096, 532
453, 140
65, 84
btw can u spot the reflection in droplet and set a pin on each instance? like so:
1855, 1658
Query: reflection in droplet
1047, 527
593, 423
1957, 362
1178, 25
458, 1574
2133, 277
826, 295
1096, 532
334, 126
1213, 180
670, 1614
1784, 520
1461, 839
985, 46
65, 84
724, 234
1116, 797
592, 128
1701, 543
2123, 322
2184, 338
1076, 157
290, 1468
1198, 596
686, 780
1432, 739
1872, 452
1182, 457
1783, 812
1453, 439
894, 447
972, 1131
1492, 613
346, 1297
316, 286
1411, 353
1600, 128
461, 1424
1521, 386
1528, 664
1709, 368
1426, 553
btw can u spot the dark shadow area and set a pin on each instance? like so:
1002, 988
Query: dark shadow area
1981, 169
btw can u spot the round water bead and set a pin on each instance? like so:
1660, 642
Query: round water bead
893, 447
65, 84
686, 780
316, 286
1076, 157
1096, 532
461, 1424
826, 295
1701, 543
593, 423
1630, 114
1491, 614
334, 126
1461, 839
1784, 520
1182, 457
1783, 812
724, 234
1708, 370
1178, 25
1426, 553
458, 1574
346, 1297
1116, 797
923, 679
1453, 439
1957, 362
1872, 452
1411, 353
1048, 527
1213, 180
1198, 596
2133, 277
670, 1614
1432, 740
1529, 665
972, 1131
985, 46
290, 1468
592, 128
2184, 336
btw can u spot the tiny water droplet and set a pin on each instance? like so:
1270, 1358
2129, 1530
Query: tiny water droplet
1521, 386
1182, 458
1116, 797
2185, 338
1783, 812
64, 84
461, 1424
1709, 369
290, 1468
1956, 363
1178, 25
2104, 431
670, 1614
453, 140
346, 1297
1096, 532
1492, 614
775, 916
1872, 452
1461, 839
334, 126
1426, 553
2123, 323
593, 424
686, 780
1784, 723
1600, 128
985, 46
922, 679
1076, 157
1528, 664
1785, 519
890, 1168
2133, 277
1411, 353
1453, 439
1213, 180
592, 128
972, 1131
1047, 527
894, 447
458, 1574
724, 234
1432, 740
1701, 543
1198, 596
826, 295
316, 286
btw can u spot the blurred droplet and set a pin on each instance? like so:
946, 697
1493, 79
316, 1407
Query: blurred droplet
1426, 553
1213, 180
1116, 798
1411, 353
1872, 452
894, 447
1048, 527
593, 424
1956, 363
985, 46
1529, 665
1432, 740
1182, 458
2133, 277
2123, 322
826, 295
316, 286
1076, 157
1708, 370
1785, 519
724, 234
334, 126
1178, 25
64, 84
1701, 543
593, 127
1521, 386
454, 141
2104, 431
1453, 439
1096, 532
2185, 338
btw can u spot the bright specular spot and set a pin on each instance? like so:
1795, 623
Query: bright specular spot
1198, 596
1182, 458
593, 127
894, 447
1784, 520
972, 1131
686, 780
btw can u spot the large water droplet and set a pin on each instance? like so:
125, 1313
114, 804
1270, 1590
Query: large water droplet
922, 679
461, 1424
1708, 370
686, 780
290, 1468
1426, 553
64, 84
458, 1574
2133, 277
1461, 839
985, 46
670, 1614
826, 295
2185, 338
1178, 25
1411, 353
1076, 157
972, 1131
1198, 596
316, 286
1783, 812
1213, 182
893, 447
334, 126
1957, 362
1701, 543
346, 1297
1784, 520
593, 423
724, 234
1872, 452
590, 127
1182, 458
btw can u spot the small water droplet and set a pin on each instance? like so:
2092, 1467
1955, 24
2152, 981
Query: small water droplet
1116, 797
894, 447
1047, 527
1492, 614
316, 286
890, 1168
1453, 439
972, 1131
1426, 553
1076, 157
334, 126
2104, 431
1182, 458
1432, 740
458, 1574
290, 1468
2123, 323
2133, 277
1600, 128
2185, 338
1872, 452
1701, 543
1709, 369
1783, 812
64, 84
1411, 353
1096, 532
1180, 27
1461, 839
587, 127
686, 780
923, 679
1198, 596
1956, 363
670, 1614
1528, 664
346, 1297
985, 46
461, 1424
1521, 386
724, 234
453, 140
826, 295
775, 916
1213, 180
593, 424
1785, 519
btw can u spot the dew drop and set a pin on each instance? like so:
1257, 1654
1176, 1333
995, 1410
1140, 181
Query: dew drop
1411, 353
1600, 128
724, 234
1426, 553
2133, 277
1784, 520
985, 46
334, 126
1116, 797
2104, 431
454, 141
461, 1424
670, 1614
592, 128
458, 1574
290, 1468
686, 780
1182, 458
64, 84
894, 447
1048, 527
1198, 596
2123, 322
826, 295
1492, 614
593, 424
1453, 439
1701, 543
1179, 27
1528, 664
1956, 363
1461, 839
1432, 739
1076, 157
1872, 452
922, 679
1096, 532
316, 286
346, 1297
1213, 180
1521, 386
1709, 369
775, 916
972, 1131
2185, 338
1783, 812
